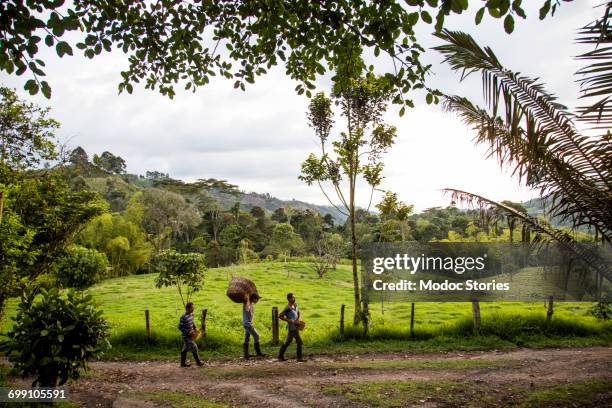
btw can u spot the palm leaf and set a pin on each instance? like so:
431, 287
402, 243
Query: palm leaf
591, 258
595, 79
527, 129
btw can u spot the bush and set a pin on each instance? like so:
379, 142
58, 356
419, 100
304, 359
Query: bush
601, 310
81, 267
54, 336
45, 281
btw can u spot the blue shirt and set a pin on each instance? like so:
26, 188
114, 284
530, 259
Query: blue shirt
247, 315
290, 314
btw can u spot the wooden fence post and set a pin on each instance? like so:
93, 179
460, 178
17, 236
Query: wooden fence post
412, 321
342, 321
476, 314
549, 312
203, 328
148, 324
275, 326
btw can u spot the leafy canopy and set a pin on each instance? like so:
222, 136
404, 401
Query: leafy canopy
172, 42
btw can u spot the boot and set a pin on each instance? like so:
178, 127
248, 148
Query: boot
196, 357
281, 353
299, 354
258, 350
184, 362
245, 351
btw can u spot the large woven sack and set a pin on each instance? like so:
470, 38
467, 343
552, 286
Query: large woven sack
238, 287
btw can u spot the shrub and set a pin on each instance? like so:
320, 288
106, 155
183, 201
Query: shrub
46, 281
602, 310
81, 267
55, 335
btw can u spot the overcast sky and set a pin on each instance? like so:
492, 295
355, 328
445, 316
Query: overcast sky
258, 138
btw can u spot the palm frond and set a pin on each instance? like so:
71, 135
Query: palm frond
521, 96
591, 258
528, 130
595, 79
574, 197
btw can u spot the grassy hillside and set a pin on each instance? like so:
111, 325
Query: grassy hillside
438, 326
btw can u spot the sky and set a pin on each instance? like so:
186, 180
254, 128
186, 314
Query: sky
258, 139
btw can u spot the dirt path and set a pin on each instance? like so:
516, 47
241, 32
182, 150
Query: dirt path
268, 383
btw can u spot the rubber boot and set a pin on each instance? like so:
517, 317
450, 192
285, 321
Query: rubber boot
258, 350
196, 357
184, 362
281, 353
245, 351
299, 354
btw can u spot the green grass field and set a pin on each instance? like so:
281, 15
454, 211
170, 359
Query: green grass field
438, 326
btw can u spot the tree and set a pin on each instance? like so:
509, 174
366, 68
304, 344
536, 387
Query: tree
536, 136
120, 238
183, 271
167, 217
54, 336
392, 209
81, 267
177, 42
329, 250
39, 213
284, 240
109, 162
79, 157
362, 103
26, 137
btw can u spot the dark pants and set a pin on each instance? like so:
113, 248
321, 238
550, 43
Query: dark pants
189, 345
249, 330
293, 334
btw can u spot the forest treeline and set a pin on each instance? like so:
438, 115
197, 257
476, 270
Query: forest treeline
146, 214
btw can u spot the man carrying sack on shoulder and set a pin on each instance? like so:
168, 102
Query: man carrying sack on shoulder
247, 323
187, 328
291, 315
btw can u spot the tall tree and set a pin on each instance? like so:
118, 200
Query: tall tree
356, 154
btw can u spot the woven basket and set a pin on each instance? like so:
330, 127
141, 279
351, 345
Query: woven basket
195, 334
238, 287
301, 325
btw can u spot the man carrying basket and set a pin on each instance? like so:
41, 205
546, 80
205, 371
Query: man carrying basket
291, 315
188, 328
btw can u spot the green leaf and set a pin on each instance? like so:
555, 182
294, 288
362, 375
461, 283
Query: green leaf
49, 40
62, 48
426, 17
46, 89
31, 86
544, 10
402, 111
479, 15
509, 24
429, 98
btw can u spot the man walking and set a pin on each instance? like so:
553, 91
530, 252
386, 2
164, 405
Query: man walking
187, 327
247, 323
291, 315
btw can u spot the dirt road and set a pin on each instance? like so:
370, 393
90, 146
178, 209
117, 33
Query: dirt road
320, 381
